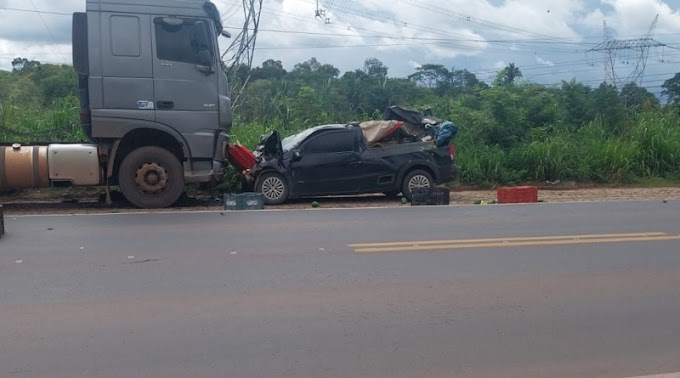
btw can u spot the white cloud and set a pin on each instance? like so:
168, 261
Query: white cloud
499, 65
544, 62
632, 18
539, 36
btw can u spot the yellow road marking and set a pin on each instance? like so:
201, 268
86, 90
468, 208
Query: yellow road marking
521, 243
467, 241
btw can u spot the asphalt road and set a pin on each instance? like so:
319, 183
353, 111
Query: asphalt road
559, 290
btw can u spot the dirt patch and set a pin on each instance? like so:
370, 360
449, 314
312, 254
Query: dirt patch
90, 202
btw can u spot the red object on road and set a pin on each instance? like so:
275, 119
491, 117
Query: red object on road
518, 194
241, 157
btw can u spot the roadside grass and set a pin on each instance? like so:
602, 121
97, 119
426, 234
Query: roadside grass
645, 152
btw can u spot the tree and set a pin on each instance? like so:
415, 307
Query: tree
24, 65
637, 99
312, 66
608, 107
431, 76
354, 90
671, 89
271, 69
376, 69
508, 75
307, 107
576, 103
464, 78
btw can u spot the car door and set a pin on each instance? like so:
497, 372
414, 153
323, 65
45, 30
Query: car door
185, 84
380, 169
328, 164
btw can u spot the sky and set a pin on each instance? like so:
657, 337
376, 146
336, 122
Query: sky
549, 40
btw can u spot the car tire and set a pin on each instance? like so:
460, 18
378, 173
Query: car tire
416, 179
274, 188
151, 177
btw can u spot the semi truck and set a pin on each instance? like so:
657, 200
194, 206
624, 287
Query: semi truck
154, 104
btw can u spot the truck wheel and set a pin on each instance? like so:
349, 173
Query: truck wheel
274, 188
415, 180
151, 177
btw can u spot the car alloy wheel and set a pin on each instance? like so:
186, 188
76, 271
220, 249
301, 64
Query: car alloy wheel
419, 181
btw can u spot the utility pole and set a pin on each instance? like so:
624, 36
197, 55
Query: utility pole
613, 49
242, 49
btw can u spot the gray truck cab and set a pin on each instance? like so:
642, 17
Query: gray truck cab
151, 79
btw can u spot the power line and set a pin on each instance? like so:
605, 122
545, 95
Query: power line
49, 31
35, 11
388, 36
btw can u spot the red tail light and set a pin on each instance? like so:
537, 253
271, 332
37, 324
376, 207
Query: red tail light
452, 151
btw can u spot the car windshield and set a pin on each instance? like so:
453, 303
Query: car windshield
294, 140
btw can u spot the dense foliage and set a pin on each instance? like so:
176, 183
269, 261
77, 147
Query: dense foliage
512, 130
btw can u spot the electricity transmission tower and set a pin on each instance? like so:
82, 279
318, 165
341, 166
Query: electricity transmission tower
320, 13
627, 52
242, 49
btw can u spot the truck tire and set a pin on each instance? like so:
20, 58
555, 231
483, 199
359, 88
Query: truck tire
416, 179
274, 188
151, 177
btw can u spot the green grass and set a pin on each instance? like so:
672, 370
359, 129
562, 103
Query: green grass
644, 152
58, 123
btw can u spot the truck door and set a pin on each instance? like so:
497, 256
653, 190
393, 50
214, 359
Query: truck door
125, 89
185, 82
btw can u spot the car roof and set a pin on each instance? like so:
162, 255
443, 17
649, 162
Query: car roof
335, 126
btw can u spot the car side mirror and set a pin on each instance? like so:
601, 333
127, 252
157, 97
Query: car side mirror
297, 156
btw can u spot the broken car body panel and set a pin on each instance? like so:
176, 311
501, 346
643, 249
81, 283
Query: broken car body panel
335, 160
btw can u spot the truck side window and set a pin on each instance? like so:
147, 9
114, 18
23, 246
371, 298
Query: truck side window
331, 142
179, 43
128, 31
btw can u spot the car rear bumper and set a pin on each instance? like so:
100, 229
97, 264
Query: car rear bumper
451, 175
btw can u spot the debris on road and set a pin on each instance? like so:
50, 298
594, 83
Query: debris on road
145, 261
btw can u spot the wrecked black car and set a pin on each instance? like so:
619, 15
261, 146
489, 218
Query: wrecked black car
391, 156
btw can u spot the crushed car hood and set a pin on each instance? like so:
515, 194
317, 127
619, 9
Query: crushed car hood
270, 146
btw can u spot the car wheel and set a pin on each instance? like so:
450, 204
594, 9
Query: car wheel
274, 188
415, 180
151, 177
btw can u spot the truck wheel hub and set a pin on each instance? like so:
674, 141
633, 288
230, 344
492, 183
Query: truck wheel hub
151, 178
